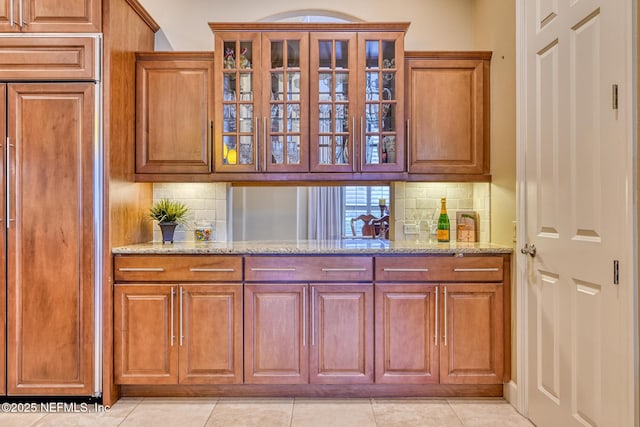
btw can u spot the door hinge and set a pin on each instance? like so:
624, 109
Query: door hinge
614, 97
616, 272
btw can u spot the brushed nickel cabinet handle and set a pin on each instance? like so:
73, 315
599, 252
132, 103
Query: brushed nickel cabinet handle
171, 317
273, 269
408, 145
8, 182
20, 11
264, 144
142, 269
472, 270
212, 270
256, 136
313, 316
406, 270
11, 12
304, 316
445, 317
363, 144
180, 315
341, 270
437, 320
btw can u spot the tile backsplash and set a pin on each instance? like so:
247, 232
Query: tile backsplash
414, 202
207, 203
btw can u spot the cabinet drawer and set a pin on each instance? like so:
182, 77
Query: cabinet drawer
309, 269
439, 269
163, 268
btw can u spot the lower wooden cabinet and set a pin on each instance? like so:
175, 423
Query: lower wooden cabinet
445, 333
317, 333
170, 334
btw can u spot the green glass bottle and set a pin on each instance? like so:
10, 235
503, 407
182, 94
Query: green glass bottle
444, 227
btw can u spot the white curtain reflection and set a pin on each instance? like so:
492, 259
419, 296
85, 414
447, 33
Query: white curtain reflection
325, 213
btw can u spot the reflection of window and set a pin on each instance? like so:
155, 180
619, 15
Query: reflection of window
361, 200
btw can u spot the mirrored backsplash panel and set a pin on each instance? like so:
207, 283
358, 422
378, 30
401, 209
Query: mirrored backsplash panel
246, 213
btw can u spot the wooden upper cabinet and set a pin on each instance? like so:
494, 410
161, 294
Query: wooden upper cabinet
54, 16
174, 112
447, 105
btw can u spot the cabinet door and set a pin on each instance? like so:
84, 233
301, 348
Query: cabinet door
237, 146
276, 339
406, 341
381, 107
472, 334
448, 111
3, 253
333, 101
50, 239
145, 342
341, 334
174, 109
8, 13
59, 16
210, 334
285, 95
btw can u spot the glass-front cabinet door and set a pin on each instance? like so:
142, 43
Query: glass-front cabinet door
285, 101
237, 102
381, 86
333, 101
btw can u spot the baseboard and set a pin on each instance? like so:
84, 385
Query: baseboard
510, 392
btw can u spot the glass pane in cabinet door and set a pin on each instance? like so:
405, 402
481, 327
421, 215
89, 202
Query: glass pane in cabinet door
324, 87
388, 86
229, 150
372, 90
246, 117
229, 61
342, 55
371, 54
389, 149
324, 118
293, 150
277, 86
229, 86
388, 117
245, 58
277, 118
293, 54
342, 118
388, 54
342, 87
373, 118
325, 52
277, 150
293, 86
324, 147
277, 54
246, 150
373, 157
293, 118
342, 150
229, 118
246, 87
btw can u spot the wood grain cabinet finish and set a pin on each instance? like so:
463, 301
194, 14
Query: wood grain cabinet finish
447, 105
174, 112
178, 268
50, 268
178, 334
50, 16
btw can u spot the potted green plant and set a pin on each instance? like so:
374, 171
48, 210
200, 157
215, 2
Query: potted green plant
169, 214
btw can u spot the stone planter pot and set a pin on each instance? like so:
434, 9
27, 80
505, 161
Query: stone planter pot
167, 229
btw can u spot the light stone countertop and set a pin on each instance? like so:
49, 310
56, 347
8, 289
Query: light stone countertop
312, 247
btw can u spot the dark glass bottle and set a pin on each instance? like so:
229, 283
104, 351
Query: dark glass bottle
444, 227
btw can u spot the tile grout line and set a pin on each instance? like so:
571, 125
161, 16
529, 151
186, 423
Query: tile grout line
215, 405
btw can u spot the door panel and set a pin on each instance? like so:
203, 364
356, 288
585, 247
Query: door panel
210, 334
62, 16
50, 239
578, 151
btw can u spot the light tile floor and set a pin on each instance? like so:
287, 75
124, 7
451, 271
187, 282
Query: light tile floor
267, 412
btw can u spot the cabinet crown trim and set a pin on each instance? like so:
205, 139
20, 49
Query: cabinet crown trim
305, 26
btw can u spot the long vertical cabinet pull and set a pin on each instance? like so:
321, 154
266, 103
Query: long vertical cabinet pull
313, 316
8, 182
363, 144
304, 316
264, 145
180, 316
352, 155
11, 12
437, 318
445, 316
408, 144
20, 12
171, 316
256, 135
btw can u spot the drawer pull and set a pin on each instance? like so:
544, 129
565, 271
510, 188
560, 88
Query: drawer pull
467, 270
141, 269
272, 269
212, 270
406, 270
337, 270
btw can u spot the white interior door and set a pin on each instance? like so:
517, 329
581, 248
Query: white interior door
578, 180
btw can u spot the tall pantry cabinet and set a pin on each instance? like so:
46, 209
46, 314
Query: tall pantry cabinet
49, 119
